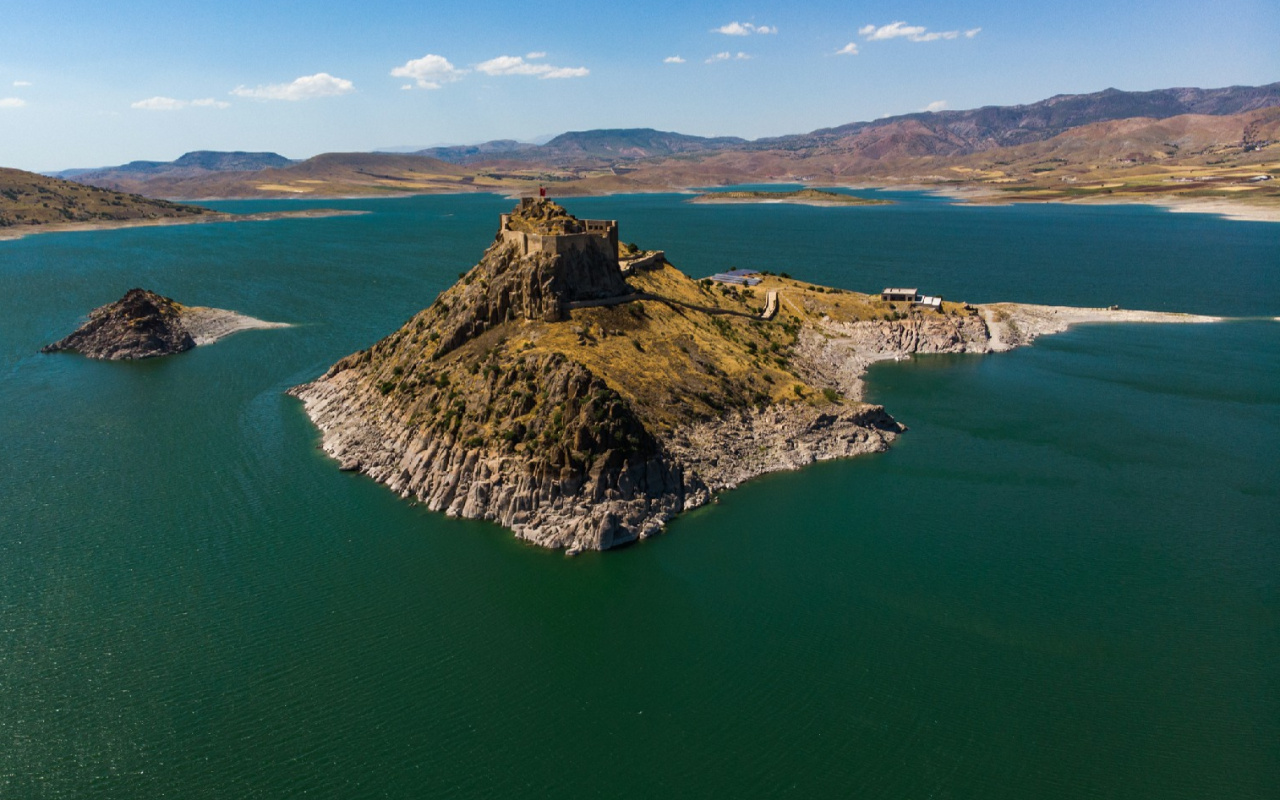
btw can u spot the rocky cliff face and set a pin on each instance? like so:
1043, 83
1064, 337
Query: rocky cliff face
538, 445
837, 354
142, 324
506, 286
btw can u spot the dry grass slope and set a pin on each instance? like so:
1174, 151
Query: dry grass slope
30, 199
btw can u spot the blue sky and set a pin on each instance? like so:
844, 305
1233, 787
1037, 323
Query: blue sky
94, 83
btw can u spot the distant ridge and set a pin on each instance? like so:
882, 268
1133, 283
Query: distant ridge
931, 133
614, 143
198, 162
974, 130
1168, 141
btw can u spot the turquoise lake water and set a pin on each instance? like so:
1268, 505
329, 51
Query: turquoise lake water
1062, 582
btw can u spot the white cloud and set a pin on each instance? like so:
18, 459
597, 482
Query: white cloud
850, 49
936, 105
567, 72
12, 102
726, 56
515, 65
510, 65
744, 29
170, 104
673, 60
430, 71
534, 56
322, 84
159, 104
912, 33
22, 83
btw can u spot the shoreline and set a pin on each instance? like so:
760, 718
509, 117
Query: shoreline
970, 196
15, 233
785, 201
207, 325
840, 353
986, 197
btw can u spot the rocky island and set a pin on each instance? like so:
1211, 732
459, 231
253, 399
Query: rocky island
583, 403
143, 324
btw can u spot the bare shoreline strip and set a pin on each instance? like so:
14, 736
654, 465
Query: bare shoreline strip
1013, 325
17, 232
1224, 208
839, 353
208, 325
784, 201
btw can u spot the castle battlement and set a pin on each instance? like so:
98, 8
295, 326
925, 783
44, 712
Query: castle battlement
540, 226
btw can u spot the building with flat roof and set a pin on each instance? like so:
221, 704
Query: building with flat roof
900, 295
737, 277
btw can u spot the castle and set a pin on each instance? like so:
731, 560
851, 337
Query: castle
538, 225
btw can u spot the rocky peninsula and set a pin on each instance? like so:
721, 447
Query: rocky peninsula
583, 409
143, 324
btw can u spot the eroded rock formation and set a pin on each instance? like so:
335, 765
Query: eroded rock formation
142, 324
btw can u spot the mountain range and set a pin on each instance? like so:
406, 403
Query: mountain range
1100, 136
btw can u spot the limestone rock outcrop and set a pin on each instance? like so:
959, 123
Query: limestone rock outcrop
142, 324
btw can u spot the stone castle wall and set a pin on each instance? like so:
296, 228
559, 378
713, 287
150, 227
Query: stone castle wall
600, 236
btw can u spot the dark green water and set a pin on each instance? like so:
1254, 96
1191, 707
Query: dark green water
1061, 583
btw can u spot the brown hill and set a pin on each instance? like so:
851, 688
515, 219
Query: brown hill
30, 199
326, 175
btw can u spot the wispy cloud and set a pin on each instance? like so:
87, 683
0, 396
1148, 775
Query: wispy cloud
936, 105
673, 60
429, 72
850, 49
726, 56
308, 87
170, 104
22, 83
12, 102
744, 29
912, 33
534, 56
518, 65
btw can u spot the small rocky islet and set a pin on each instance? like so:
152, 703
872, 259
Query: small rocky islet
144, 324
582, 393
